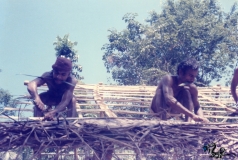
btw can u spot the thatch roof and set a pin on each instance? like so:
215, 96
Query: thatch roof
120, 116
147, 138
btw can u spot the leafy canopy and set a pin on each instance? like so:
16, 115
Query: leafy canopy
6, 100
143, 53
64, 47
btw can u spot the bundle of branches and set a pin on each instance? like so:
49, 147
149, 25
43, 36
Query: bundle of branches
145, 137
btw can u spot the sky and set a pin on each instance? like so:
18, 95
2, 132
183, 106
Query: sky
29, 28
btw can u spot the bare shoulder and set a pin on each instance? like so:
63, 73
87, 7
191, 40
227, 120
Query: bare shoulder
73, 80
193, 88
40, 80
46, 75
234, 81
236, 72
168, 79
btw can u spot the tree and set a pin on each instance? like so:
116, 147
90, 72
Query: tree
64, 47
6, 99
143, 53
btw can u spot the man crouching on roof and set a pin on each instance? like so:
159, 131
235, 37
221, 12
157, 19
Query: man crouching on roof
178, 94
61, 85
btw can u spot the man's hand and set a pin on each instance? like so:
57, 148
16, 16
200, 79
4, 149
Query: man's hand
50, 115
197, 118
230, 109
39, 104
235, 112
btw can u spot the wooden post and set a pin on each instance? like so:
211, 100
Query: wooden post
75, 154
99, 100
142, 100
101, 95
79, 113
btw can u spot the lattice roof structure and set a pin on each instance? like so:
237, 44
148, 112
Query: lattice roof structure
120, 117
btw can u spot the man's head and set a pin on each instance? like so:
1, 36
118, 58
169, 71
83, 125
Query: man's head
187, 70
61, 69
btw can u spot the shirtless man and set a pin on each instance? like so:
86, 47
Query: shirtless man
234, 83
61, 85
178, 94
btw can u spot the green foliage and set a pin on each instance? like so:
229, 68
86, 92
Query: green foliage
143, 53
6, 100
64, 47
5, 97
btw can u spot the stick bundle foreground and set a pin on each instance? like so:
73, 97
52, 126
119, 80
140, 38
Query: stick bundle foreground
144, 137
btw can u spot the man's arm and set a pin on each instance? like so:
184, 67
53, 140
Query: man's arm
197, 108
234, 83
32, 89
169, 97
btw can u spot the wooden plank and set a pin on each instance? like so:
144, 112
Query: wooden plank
91, 110
126, 98
99, 101
127, 95
225, 117
209, 111
120, 100
24, 103
135, 112
87, 104
144, 105
17, 109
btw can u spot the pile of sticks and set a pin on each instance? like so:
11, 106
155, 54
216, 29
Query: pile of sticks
146, 138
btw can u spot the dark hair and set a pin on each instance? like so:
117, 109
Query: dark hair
189, 63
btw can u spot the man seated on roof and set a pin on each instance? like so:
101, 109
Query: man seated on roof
234, 84
178, 94
61, 85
